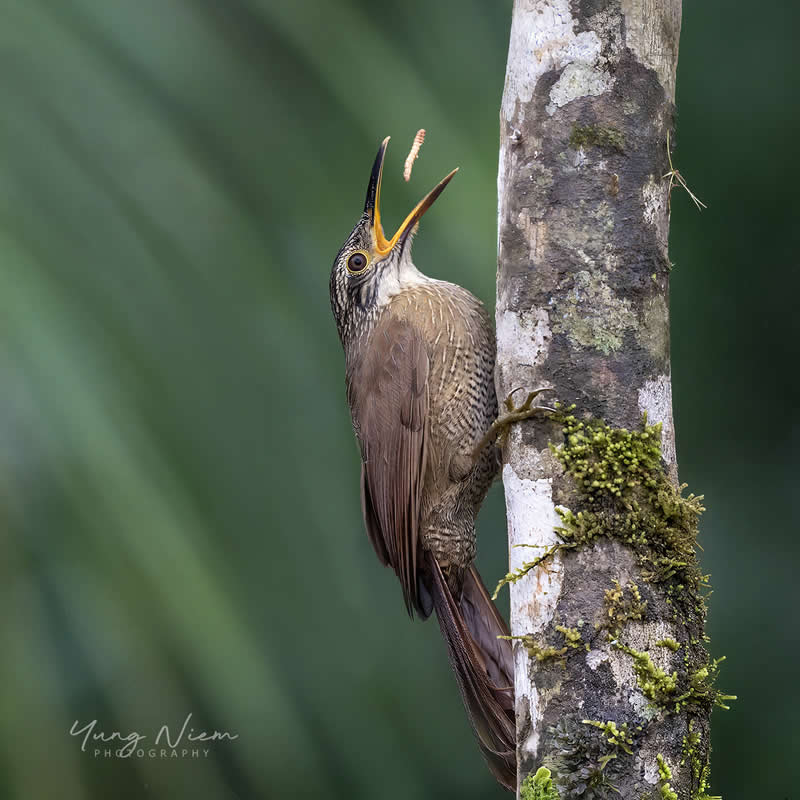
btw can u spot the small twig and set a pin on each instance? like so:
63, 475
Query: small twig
675, 177
412, 156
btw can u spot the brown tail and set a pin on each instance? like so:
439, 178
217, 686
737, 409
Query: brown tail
484, 668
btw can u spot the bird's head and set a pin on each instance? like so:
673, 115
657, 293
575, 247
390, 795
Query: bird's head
370, 269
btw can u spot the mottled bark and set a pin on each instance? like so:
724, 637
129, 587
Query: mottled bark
582, 306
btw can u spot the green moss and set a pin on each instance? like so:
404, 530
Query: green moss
701, 767
655, 684
629, 496
618, 736
542, 651
513, 577
619, 606
596, 136
671, 693
664, 772
572, 636
701, 689
539, 786
538, 650
664, 777
670, 643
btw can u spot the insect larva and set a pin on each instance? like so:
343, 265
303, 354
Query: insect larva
412, 156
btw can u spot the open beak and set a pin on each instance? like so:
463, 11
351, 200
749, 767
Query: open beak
372, 205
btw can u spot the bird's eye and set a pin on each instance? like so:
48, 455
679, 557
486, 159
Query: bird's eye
357, 262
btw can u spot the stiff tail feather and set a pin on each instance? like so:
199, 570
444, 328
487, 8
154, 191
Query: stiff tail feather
483, 665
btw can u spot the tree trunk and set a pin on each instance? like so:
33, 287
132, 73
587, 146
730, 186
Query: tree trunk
613, 684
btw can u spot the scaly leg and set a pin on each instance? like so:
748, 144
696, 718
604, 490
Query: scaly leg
501, 425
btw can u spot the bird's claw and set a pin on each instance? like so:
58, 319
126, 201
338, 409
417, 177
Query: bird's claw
501, 426
526, 406
518, 413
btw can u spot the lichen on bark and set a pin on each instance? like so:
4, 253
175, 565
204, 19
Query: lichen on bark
591, 315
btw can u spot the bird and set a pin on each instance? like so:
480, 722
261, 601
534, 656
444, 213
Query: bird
419, 375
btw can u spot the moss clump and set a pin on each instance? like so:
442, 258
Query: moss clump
596, 136
664, 777
701, 689
669, 643
618, 736
619, 606
542, 651
701, 768
572, 636
538, 650
672, 694
628, 496
539, 786
655, 684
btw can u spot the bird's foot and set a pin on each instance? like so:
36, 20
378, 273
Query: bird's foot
502, 425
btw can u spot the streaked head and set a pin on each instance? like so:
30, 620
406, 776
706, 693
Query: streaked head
370, 268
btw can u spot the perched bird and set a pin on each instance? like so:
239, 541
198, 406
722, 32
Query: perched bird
420, 356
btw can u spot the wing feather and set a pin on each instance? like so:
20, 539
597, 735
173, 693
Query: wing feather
388, 392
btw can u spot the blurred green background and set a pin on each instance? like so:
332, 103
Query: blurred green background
178, 482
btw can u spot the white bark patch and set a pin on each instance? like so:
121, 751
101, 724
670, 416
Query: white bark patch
655, 195
577, 80
580, 158
595, 657
655, 398
651, 771
654, 202
543, 38
532, 520
524, 337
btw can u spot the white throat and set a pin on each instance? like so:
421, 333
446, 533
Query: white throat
400, 277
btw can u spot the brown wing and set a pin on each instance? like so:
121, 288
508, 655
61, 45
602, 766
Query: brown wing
388, 392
